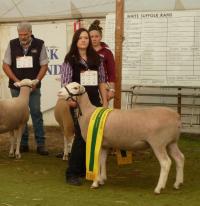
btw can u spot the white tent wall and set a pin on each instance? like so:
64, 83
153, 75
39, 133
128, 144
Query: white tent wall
5, 32
57, 36
44, 10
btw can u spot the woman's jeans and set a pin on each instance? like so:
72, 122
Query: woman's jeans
36, 116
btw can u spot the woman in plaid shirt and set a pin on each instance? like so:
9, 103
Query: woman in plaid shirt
83, 65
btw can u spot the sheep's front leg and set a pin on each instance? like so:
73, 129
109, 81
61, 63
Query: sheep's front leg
101, 177
95, 183
65, 155
12, 143
67, 147
103, 158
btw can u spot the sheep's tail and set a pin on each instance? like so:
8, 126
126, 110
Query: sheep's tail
179, 121
179, 126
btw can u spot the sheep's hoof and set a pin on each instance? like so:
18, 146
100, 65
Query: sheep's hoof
177, 185
94, 185
11, 155
157, 191
65, 157
17, 156
101, 182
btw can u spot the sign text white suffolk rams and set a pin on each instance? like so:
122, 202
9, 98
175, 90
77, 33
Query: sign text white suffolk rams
160, 48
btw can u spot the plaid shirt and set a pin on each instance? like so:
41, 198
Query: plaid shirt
66, 73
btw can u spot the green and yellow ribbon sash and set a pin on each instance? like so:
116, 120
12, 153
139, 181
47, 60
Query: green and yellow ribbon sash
94, 140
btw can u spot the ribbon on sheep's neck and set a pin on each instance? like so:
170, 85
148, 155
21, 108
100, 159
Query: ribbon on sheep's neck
94, 140
71, 95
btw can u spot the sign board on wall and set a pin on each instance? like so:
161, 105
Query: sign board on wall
160, 48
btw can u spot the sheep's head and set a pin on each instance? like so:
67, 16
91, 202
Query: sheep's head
25, 82
70, 90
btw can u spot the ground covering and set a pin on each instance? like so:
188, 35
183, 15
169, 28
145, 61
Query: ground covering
39, 181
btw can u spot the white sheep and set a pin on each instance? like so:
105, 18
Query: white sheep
159, 127
63, 117
15, 114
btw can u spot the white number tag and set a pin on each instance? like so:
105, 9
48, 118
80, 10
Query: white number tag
89, 78
24, 62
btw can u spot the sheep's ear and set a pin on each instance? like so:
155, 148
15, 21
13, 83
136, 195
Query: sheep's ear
82, 88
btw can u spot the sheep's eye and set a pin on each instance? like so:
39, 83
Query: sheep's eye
75, 88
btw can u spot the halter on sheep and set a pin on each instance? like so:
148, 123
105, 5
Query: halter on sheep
63, 117
71, 95
158, 127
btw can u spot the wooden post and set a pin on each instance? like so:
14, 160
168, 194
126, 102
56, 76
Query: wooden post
119, 36
179, 101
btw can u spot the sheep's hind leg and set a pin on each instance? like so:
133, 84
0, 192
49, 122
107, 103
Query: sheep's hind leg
165, 164
12, 144
179, 158
18, 136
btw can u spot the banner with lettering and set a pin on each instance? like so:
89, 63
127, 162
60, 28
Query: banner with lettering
54, 36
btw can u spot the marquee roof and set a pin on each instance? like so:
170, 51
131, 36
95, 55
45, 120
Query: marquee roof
15, 10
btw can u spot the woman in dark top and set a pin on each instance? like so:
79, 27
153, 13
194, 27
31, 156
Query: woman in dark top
83, 59
103, 50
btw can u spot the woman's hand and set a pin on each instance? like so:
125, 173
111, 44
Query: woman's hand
110, 94
103, 92
110, 90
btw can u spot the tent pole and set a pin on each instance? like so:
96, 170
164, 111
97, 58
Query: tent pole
119, 32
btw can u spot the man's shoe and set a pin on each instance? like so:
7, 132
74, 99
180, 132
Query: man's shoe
74, 181
42, 151
82, 175
24, 148
60, 155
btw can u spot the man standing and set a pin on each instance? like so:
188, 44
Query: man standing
26, 57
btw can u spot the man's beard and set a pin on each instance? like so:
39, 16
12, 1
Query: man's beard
25, 42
